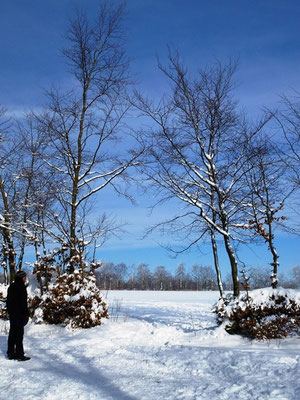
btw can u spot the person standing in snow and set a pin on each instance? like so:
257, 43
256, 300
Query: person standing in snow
17, 309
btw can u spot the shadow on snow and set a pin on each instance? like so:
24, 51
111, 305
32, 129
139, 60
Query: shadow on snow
56, 370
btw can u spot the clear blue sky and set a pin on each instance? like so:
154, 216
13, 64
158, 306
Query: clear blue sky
264, 35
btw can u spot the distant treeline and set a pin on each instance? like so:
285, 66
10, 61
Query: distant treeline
112, 276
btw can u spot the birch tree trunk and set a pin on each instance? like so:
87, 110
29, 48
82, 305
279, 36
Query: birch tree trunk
6, 231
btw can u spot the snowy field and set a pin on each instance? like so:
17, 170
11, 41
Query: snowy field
157, 345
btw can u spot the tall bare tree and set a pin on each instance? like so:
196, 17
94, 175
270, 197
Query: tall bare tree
288, 119
90, 145
198, 150
180, 276
143, 277
25, 192
269, 189
161, 278
35, 187
8, 250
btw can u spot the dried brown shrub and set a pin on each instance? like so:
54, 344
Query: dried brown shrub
276, 315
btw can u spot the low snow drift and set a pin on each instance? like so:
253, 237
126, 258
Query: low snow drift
157, 345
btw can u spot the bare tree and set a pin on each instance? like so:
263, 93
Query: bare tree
197, 155
6, 213
288, 119
35, 188
143, 276
25, 191
207, 278
120, 271
196, 274
269, 189
8, 250
180, 276
106, 276
258, 277
161, 278
90, 147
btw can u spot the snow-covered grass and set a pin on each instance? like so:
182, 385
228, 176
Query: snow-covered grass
158, 345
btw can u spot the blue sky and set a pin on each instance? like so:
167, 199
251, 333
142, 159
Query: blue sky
264, 35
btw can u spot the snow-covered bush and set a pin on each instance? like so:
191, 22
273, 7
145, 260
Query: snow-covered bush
74, 300
261, 314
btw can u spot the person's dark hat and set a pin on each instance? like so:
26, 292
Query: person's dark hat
20, 274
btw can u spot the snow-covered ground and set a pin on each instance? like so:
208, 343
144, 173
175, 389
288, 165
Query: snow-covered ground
157, 345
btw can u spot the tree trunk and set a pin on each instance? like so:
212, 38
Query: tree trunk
233, 264
73, 223
7, 235
275, 256
214, 247
216, 262
75, 178
4, 265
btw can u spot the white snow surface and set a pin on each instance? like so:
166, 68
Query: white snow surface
157, 345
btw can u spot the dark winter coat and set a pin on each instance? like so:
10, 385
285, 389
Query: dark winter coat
16, 302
